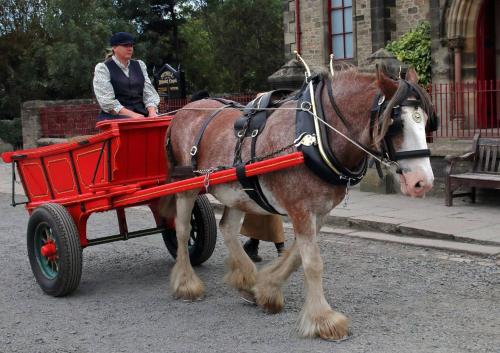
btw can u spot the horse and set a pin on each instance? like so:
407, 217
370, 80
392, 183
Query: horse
358, 110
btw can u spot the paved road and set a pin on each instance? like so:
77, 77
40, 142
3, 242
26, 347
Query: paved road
398, 298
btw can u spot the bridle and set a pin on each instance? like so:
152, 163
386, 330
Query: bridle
379, 107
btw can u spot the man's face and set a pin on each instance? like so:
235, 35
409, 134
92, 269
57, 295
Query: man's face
124, 51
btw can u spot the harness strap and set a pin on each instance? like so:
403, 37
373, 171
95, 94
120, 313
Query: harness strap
412, 154
252, 187
197, 139
336, 107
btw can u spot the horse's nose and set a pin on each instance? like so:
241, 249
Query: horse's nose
421, 186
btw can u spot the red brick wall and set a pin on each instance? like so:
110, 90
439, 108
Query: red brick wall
68, 120
76, 120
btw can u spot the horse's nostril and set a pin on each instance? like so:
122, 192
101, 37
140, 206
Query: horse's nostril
419, 185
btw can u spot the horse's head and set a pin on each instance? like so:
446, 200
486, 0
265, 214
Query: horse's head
405, 113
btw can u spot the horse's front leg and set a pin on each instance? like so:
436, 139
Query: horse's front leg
317, 317
183, 280
242, 271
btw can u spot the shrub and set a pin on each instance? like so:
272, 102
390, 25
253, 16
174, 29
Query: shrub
11, 132
414, 48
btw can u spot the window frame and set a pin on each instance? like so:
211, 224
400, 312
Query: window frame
343, 33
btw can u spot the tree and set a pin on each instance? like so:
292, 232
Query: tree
244, 39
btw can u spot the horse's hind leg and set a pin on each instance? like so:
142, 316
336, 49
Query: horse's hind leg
268, 293
317, 317
242, 270
183, 280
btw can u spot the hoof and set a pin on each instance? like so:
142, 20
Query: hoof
240, 276
329, 325
269, 298
247, 297
186, 286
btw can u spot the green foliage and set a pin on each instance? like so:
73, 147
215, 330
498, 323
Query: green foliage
11, 132
414, 48
239, 42
49, 48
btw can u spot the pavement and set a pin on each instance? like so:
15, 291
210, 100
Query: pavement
465, 227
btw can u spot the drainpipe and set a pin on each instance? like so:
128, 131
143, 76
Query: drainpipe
298, 32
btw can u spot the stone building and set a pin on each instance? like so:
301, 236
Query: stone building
463, 32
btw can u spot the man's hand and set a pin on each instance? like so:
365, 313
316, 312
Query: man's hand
130, 113
152, 112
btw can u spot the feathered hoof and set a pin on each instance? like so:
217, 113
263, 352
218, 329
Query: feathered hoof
329, 325
269, 298
240, 276
186, 286
247, 296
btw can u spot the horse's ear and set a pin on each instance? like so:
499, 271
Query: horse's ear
411, 75
387, 85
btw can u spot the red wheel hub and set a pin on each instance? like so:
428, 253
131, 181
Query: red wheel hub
49, 250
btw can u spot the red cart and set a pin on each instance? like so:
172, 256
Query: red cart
123, 166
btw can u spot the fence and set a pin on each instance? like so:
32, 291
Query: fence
467, 108
463, 110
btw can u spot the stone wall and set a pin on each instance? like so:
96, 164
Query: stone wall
407, 15
362, 31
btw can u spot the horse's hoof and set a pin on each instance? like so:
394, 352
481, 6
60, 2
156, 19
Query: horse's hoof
270, 299
330, 325
247, 297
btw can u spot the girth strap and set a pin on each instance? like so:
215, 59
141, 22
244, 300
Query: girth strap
252, 187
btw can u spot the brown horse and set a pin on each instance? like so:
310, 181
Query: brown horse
298, 192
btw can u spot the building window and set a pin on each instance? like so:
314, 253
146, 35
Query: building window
340, 18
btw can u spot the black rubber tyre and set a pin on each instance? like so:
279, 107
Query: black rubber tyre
203, 233
59, 272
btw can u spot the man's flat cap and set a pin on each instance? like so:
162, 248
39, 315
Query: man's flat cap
120, 38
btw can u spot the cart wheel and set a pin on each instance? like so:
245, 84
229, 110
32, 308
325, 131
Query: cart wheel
203, 233
54, 250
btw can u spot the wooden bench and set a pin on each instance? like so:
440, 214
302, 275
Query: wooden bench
485, 172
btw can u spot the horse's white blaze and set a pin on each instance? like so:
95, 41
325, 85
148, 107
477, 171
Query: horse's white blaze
417, 177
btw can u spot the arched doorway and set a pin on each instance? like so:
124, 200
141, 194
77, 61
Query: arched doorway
486, 65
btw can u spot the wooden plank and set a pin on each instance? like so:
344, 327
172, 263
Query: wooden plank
494, 160
487, 158
489, 141
479, 163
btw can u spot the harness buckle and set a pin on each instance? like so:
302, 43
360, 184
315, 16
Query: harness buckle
306, 106
305, 140
381, 100
255, 132
240, 133
194, 150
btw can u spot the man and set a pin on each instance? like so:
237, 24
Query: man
121, 85
266, 228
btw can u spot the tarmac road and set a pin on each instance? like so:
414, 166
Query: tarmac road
398, 298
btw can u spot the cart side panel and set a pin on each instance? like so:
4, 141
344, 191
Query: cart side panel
61, 176
140, 155
87, 163
37, 188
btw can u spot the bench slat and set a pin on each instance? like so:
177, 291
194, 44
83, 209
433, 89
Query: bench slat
487, 159
480, 176
479, 161
488, 141
494, 161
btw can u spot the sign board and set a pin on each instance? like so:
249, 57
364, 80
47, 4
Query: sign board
170, 82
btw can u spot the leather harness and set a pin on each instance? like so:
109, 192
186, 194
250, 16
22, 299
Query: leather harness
254, 118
